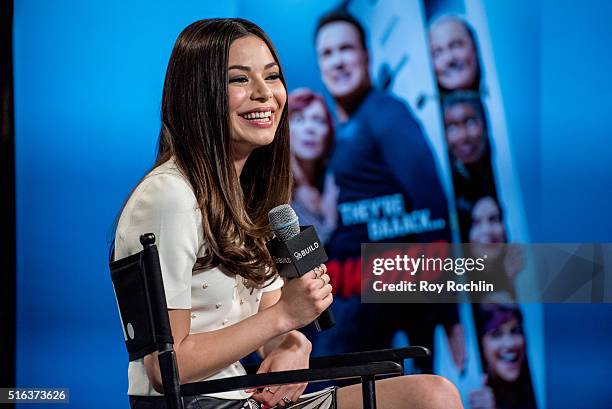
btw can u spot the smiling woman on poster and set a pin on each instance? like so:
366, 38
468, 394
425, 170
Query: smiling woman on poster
312, 137
223, 162
506, 383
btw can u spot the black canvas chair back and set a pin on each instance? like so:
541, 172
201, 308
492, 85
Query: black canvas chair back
139, 291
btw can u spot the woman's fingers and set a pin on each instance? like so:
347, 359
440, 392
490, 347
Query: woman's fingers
318, 284
283, 392
290, 393
324, 280
323, 288
266, 395
316, 272
304, 298
482, 399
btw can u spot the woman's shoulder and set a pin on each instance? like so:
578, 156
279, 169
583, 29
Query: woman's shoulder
163, 191
166, 185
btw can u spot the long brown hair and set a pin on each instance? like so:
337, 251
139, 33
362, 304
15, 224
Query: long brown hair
196, 132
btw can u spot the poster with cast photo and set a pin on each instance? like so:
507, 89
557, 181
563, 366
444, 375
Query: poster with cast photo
487, 201
373, 172
403, 139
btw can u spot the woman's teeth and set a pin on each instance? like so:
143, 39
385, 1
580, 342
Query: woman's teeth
258, 115
508, 356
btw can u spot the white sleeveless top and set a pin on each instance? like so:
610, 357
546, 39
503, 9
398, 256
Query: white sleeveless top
164, 204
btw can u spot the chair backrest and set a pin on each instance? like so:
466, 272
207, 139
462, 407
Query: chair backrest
139, 291
141, 300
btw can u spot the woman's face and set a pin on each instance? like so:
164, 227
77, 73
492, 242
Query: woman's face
309, 131
256, 94
464, 132
454, 56
487, 233
504, 350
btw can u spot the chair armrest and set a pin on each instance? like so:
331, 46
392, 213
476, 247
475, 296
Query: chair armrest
356, 358
286, 377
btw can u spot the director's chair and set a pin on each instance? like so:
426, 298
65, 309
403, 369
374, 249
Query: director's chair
139, 291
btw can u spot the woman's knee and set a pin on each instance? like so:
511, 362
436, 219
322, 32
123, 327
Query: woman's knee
439, 393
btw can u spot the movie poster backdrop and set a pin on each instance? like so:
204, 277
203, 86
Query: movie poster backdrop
441, 171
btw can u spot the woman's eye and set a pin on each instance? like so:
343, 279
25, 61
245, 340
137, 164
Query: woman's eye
238, 80
452, 130
297, 117
273, 77
496, 333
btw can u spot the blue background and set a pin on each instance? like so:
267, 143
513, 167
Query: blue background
88, 78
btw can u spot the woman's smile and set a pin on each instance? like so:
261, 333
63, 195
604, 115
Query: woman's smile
259, 117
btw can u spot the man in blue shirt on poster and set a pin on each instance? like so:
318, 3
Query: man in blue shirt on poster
388, 191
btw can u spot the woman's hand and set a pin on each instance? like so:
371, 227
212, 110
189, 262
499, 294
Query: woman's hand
483, 398
292, 353
303, 299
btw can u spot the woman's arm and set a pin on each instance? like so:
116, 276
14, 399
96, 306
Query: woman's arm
202, 354
291, 338
285, 352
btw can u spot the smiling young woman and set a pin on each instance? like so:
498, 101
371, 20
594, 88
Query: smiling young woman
223, 162
256, 94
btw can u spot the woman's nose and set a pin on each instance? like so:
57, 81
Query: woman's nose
261, 91
460, 134
488, 231
508, 341
310, 131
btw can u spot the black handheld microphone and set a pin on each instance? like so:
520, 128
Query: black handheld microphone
296, 251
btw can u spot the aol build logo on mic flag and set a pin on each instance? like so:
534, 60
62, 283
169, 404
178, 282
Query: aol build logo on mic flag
300, 254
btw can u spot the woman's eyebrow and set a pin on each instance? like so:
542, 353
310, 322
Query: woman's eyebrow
247, 68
